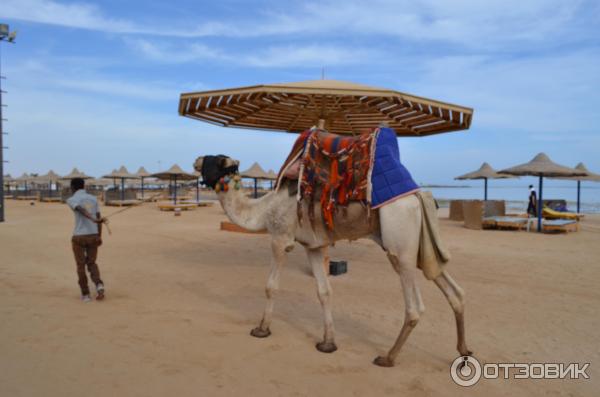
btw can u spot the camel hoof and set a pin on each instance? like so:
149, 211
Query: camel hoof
326, 347
465, 352
258, 332
383, 362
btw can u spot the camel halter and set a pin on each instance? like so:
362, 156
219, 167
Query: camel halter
223, 184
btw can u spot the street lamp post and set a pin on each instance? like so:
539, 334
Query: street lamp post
5, 35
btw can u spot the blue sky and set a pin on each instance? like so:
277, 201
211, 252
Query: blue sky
96, 84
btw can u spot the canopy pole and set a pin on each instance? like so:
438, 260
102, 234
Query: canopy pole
122, 189
578, 194
198, 190
142, 188
175, 190
255, 188
485, 189
540, 204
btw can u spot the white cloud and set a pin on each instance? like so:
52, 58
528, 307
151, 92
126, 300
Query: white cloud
472, 23
309, 55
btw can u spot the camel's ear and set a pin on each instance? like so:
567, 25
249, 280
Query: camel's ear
198, 163
231, 163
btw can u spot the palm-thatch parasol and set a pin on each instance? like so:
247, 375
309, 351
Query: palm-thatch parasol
7, 181
49, 178
255, 172
198, 176
24, 179
340, 107
484, 172
172, 175
272, 176
100, 182
542, 166
591, 177
142, 174
121, 174
75, 173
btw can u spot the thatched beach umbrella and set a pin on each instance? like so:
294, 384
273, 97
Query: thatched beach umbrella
75, 173
121, 174
255, 172
99, 182
339, 106
142, 174
484, 172
7, 182
198, 176
541, 166
590, 177
172, 175
24, 180
271, 176
49, 178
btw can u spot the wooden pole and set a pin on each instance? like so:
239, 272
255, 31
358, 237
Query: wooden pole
540, 204
578, 194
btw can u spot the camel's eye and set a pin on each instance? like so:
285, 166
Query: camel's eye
223, 162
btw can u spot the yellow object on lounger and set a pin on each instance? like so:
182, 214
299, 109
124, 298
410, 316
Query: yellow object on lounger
551, 214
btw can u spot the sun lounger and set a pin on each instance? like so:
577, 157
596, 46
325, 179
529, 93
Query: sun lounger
122, 203
560, 225
551, 214
169, 206
505, 222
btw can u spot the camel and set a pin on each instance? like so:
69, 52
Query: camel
395, 227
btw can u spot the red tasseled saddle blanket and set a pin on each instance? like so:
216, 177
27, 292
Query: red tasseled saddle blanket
335, 167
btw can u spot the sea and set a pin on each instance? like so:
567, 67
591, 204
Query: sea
516, 196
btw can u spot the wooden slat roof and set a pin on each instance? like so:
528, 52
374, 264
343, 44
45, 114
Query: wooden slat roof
347, 108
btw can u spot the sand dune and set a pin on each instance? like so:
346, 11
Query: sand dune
182, 297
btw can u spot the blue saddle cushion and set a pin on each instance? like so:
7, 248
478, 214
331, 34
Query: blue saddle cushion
389, 179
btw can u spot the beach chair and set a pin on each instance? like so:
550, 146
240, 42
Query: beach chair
505, 222
560, 225
549, 213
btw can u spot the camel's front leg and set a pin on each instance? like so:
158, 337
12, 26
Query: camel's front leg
414, 307
456, 297
278, 248
316, 257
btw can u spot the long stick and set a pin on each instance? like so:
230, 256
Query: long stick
105, 219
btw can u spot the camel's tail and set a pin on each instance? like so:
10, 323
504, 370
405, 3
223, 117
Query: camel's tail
433, 254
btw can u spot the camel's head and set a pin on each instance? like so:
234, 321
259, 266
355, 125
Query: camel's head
214, 168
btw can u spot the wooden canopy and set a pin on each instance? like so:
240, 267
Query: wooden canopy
345, 108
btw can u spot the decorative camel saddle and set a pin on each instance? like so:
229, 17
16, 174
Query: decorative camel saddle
363, 168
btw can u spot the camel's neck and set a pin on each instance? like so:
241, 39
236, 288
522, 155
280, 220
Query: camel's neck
243, 211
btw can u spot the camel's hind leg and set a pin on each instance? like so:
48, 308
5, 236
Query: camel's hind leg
278, 248
455, 296
316, 257
400, 231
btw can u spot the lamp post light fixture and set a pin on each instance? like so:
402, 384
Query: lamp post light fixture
8, 36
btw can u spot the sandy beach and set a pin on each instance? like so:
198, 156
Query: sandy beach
182, 297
